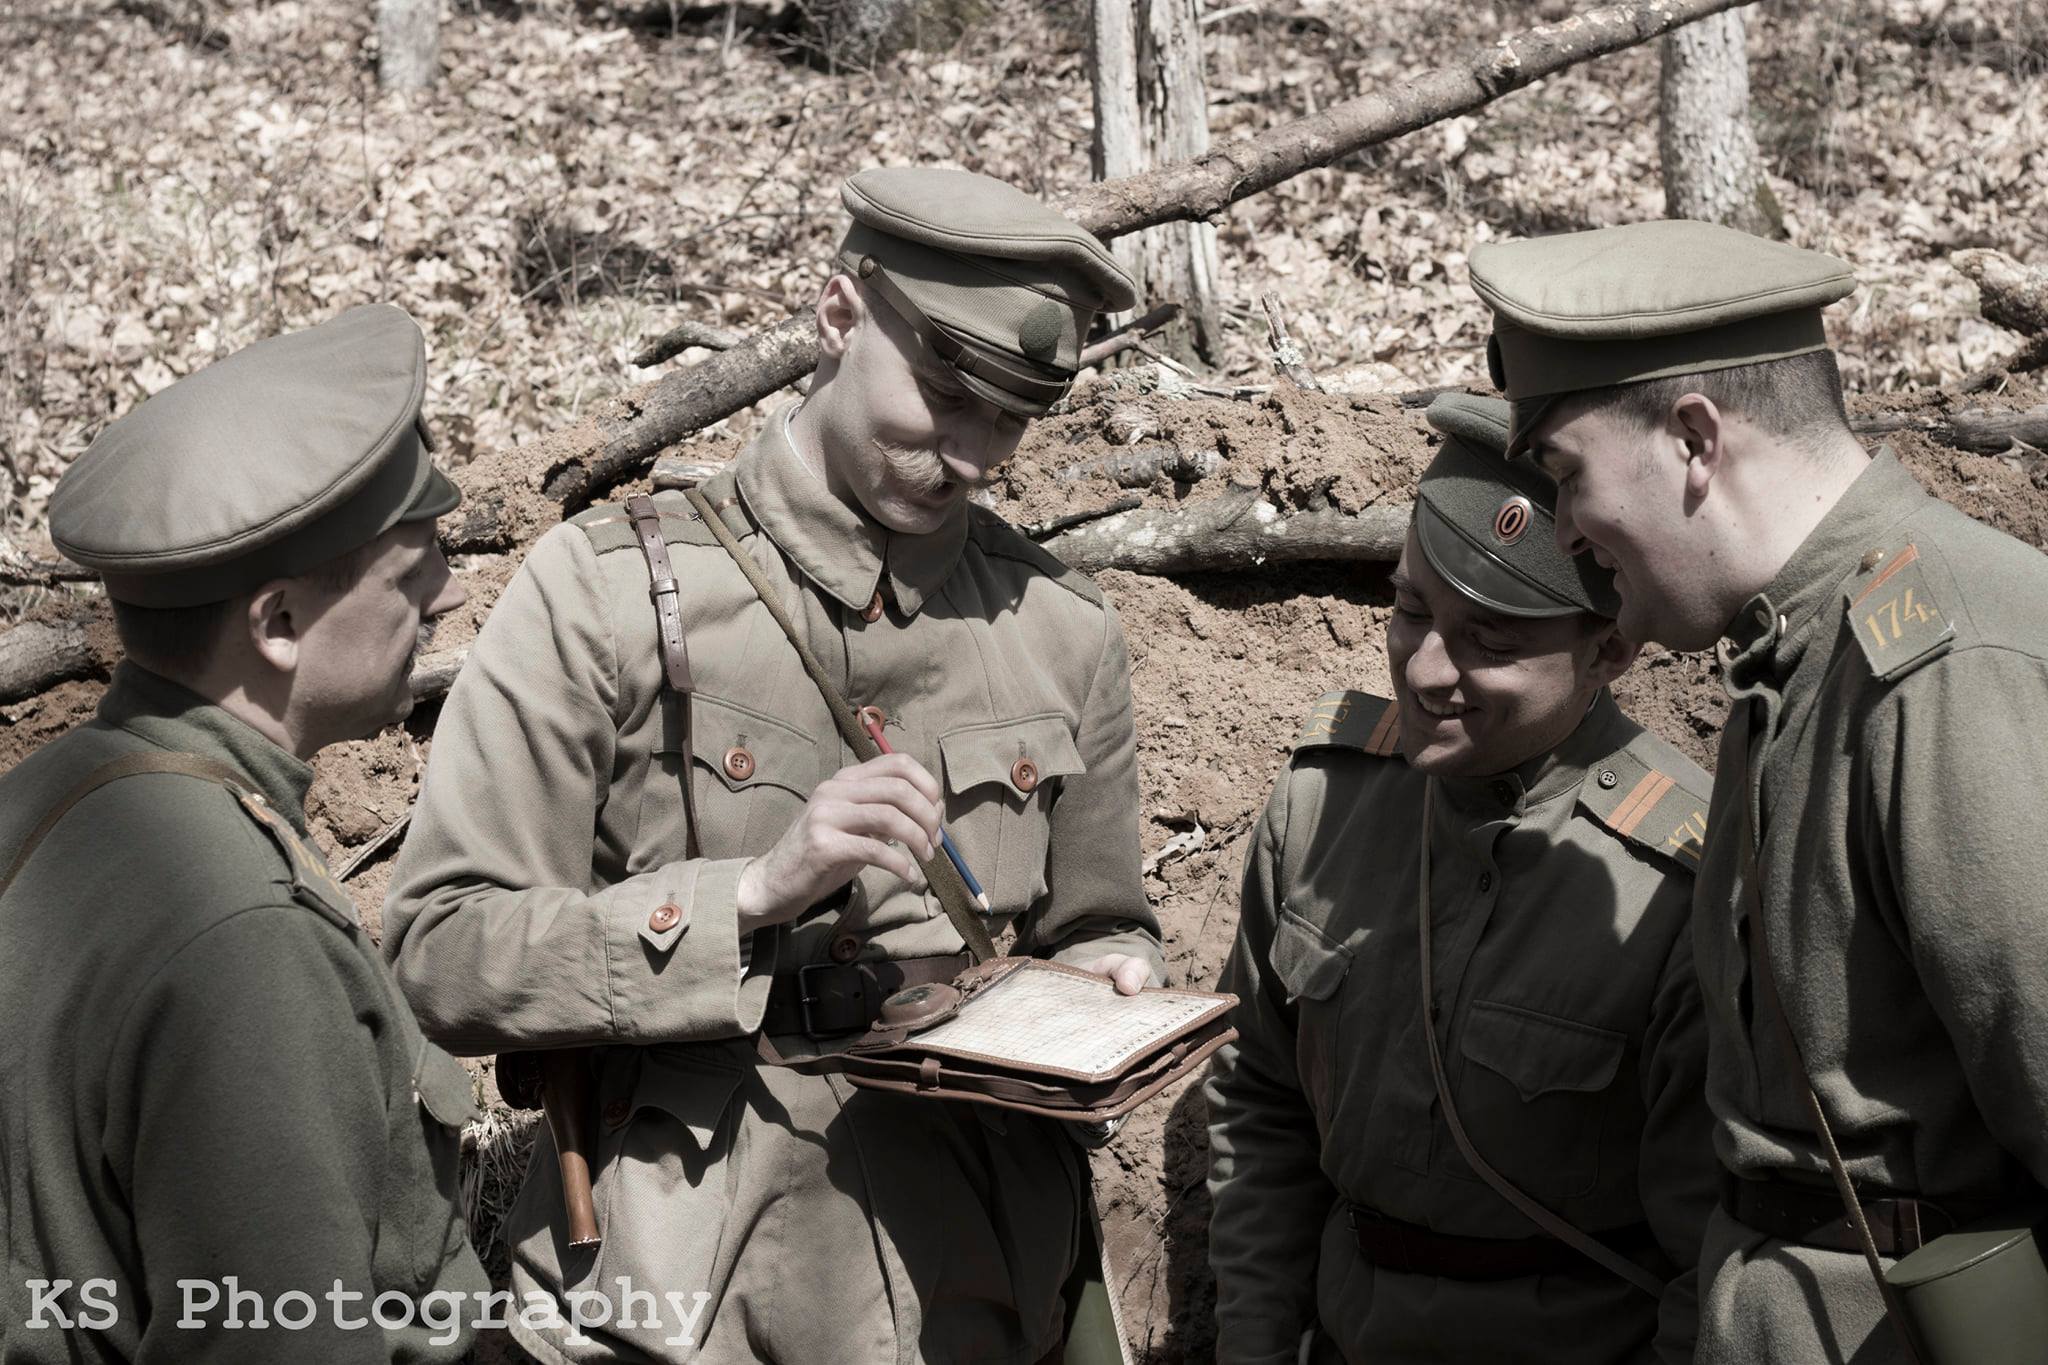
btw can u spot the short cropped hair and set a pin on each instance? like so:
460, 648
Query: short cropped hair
179, 641
1796, 399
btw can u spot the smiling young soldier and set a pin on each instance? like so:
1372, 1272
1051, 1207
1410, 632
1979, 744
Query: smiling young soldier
1554, 841
592, 863
212, 1083
1878, 790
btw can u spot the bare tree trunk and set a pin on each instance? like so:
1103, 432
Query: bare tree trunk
408, 44
1152, 109
1712, 169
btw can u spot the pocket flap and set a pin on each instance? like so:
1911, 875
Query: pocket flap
992, 752
744, 748
1541, 1052
693, 1095
444, 1088
1307, 962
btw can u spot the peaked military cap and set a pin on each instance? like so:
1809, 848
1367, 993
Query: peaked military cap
1619, 305
1487, 525
264, 465
999, 286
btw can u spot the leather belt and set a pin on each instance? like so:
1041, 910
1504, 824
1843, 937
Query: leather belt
831, 999
1410, 1249
1812, 1215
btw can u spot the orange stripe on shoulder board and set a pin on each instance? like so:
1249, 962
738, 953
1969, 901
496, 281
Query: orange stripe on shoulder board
1639, 803
1383, 737
1905, 557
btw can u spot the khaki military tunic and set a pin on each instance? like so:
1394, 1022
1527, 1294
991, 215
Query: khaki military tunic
1897, 674
544, 898
1571, 1036
209, 1074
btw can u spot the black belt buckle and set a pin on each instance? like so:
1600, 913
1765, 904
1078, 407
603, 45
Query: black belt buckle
807, 995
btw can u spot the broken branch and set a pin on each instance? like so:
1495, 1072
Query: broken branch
1238, 530
682, 337
1128, 335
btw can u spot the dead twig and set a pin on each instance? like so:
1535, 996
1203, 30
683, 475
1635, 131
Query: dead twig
1287, 357
682, 337
1040, 530
1129, 335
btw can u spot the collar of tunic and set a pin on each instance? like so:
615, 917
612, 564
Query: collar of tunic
1600, 732
835, 543
154, 708
1770, 634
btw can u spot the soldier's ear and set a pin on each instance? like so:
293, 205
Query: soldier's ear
840, 312
1613, 653
1701, 428
273, 631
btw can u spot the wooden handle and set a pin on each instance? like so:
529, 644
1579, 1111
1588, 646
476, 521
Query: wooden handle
566, 1099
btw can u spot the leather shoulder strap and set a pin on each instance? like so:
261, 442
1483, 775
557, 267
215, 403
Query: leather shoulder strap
128, 765
1585, 1243
666, 595
939, 871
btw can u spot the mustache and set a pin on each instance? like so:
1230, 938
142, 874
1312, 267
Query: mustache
922, 473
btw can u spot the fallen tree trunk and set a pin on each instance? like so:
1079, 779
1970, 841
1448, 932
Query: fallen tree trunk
2009, 294
37, 655
1238, 530
1199, 189
1983, 433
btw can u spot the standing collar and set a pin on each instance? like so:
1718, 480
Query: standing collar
153, 708
1770, 634
836, 543
1600, 732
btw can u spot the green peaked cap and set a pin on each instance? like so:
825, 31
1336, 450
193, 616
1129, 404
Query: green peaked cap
1619, 305
1000, 286
263, 465
1487, 524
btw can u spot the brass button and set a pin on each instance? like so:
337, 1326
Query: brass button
739, 764
664, 918
872, 612
1024, 775
845, 948
1871, 559
615, 1113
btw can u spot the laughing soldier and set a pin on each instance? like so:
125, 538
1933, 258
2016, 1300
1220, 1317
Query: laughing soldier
1501, 828
595, 862
1870, 927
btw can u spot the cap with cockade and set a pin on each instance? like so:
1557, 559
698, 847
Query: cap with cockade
1619, 305
1486, 526
264, 465
999, 286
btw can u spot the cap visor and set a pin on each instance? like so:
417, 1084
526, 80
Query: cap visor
437, 496
1002, 398
1479, 575
1527, 415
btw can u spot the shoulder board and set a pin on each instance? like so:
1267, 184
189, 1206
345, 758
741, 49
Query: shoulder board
997, 537
312, 884
1651, 809
1892, 612
1353, 720
609, 528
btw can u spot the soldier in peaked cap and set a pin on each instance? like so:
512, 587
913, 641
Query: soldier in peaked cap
1868, 920
666, 868
213, 1084
1502, 804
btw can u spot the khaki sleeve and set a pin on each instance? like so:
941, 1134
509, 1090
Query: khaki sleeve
493, 924
1962, 809
1095, 895
1677, 1172
1265, 1168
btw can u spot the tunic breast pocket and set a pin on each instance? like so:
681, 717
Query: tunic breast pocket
1533, 1095
1310, 967
1002, 780
753, 774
